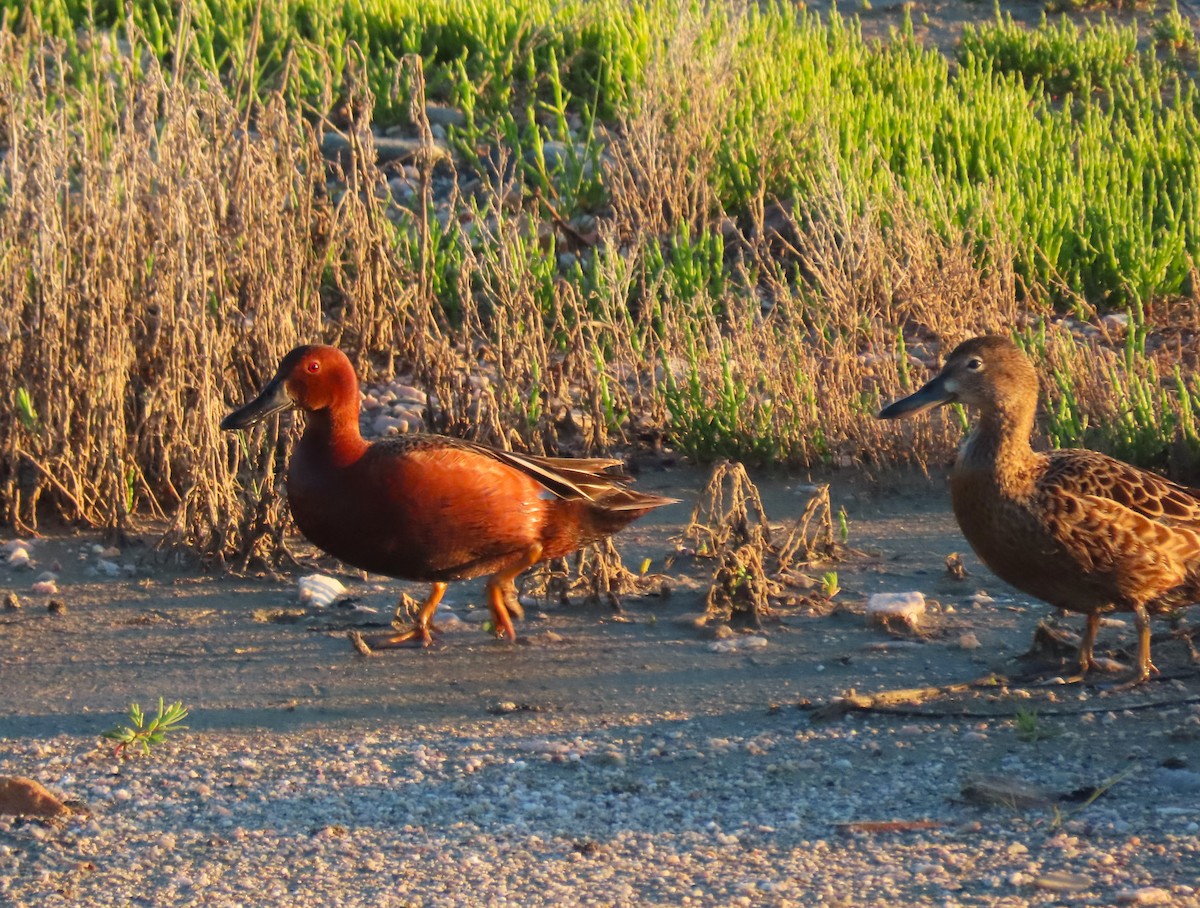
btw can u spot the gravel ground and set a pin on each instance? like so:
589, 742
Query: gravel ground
617, 760
527, 810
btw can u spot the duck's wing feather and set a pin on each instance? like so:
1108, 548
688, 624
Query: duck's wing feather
595, 479
601, 480
1075, 474
1116, 519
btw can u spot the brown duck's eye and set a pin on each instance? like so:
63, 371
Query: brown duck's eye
974, 364
314, 365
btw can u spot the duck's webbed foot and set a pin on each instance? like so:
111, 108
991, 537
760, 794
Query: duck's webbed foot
420, 633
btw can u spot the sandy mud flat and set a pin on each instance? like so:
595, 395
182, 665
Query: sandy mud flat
606, 759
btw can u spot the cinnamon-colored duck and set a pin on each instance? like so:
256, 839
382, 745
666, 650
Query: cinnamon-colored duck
1075, 528
427, 507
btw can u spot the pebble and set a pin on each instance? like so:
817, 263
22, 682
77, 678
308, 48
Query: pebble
1146, 895
738, 644
445, 116
1063, 881
1182, 781
389, 425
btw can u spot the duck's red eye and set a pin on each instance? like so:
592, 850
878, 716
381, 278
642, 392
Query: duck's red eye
314, 365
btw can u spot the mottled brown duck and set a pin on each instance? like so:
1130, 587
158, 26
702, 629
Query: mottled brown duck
1075, 528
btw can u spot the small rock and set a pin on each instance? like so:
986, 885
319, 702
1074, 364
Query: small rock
1062, 881
278, 615
546, 638
388, 148
445, 116
1003, 791
12, 545
108, 568
1183, 781
955, 569
389, 425
45, 587
56, 607
1146, 895
969, 641
25, 797
905, 607
11, 602
1115, 322
409, 394
735, 644
19, 558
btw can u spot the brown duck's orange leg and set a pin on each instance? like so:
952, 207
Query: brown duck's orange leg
502, 592
422, 630
1144, 666
1087, 659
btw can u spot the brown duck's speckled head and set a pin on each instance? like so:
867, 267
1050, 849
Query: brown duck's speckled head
989, 373
312, 377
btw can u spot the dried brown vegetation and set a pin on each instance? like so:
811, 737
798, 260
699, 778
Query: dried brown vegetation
754, 568
165, 241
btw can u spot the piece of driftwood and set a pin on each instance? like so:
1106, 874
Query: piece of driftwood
910, 696
909, 701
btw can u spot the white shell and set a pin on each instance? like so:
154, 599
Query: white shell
319, 590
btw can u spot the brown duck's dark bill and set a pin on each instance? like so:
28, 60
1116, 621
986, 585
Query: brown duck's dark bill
933, 394
273, 398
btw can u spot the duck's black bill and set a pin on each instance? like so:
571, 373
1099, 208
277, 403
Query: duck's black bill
273, 398
933, 394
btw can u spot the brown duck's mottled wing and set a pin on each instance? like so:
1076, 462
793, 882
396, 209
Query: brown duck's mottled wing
1142, 558
1079, 473
1138, 529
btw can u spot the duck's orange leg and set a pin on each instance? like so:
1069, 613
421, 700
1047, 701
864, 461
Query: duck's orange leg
1144, 666
422, 630
502, 592
1087, 660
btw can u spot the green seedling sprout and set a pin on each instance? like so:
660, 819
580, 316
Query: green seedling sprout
143, 734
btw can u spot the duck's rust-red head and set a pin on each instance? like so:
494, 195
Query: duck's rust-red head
312, 377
